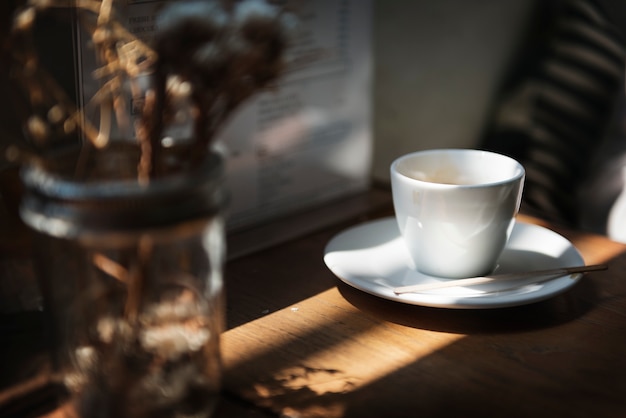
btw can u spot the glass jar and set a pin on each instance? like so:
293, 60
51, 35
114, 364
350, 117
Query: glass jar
131, 277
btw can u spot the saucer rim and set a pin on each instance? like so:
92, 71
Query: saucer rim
536, 293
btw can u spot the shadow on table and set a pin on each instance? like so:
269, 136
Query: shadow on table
548, 313
577, 369
578, 375
591, 291
277, 277
562, 354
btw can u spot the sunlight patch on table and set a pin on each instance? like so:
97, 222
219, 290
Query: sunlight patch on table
324, 347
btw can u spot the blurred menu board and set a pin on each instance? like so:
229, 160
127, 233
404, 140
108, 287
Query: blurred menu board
306, 142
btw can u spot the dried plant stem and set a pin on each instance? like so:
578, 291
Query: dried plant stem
226, 51
123, 57
104, 15
105, 127
144, 136
139, 273
110, 267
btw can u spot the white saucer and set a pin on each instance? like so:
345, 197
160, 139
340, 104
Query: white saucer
372, 257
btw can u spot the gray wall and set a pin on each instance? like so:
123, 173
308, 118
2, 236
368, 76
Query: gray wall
437, 67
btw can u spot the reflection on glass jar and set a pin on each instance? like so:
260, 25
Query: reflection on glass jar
132, 282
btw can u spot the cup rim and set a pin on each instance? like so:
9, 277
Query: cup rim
520, 174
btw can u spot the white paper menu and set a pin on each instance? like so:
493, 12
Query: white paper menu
307, 142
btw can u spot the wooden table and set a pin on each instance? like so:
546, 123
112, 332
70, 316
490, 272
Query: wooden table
300, 343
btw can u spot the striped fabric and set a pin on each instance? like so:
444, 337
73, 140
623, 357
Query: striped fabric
554, 114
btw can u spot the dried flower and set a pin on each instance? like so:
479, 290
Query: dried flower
210, 55
226, 54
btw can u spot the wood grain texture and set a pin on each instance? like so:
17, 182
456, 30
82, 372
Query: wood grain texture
300, 343
303, 344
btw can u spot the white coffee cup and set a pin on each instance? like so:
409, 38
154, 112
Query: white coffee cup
456, 208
